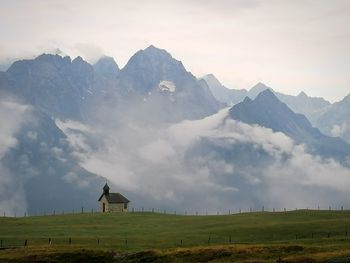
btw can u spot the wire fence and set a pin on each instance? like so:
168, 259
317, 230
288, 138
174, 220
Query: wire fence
339, 232
183, 239
157, 242
83, 210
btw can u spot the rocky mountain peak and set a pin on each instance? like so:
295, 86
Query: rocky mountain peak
302, 95
106, 66
150, 66
258, 88
267, 96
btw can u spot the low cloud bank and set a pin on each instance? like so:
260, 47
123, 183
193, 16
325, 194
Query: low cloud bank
209, 165
13, 116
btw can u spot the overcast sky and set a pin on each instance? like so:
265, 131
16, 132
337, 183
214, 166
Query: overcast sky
288, 45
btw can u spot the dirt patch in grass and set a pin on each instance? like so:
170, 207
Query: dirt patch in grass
67, 257
232, 253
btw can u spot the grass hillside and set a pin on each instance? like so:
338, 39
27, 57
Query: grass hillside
304, 232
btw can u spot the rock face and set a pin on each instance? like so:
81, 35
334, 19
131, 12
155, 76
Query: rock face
183, 97
53, 84
106, 66
267, 111
148, 67
62, 88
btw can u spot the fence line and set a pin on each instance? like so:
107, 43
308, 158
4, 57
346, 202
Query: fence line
122, 242
82, 210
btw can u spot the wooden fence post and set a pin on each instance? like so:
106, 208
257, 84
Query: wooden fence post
1, 243
49, 240
209, 240
25, 242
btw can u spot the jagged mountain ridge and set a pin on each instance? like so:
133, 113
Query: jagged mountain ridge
268, 111
72, 89
144, 77
309, 106
53, 84
223, 94
106, 66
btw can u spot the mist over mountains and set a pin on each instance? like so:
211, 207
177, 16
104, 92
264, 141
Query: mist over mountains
163, 138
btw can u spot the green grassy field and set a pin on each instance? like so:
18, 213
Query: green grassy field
267, 236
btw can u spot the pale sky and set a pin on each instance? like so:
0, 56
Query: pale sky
289, 45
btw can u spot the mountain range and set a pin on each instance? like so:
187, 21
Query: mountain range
308, 106
121, 109
268, 111
331, 119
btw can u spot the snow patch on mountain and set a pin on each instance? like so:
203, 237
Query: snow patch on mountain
166, 85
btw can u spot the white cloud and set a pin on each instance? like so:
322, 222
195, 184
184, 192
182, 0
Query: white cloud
75, 179
158, 152
216, 163
13, 116
339, 130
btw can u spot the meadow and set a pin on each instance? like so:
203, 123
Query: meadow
314, 236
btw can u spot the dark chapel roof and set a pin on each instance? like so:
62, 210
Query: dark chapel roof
115, 198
